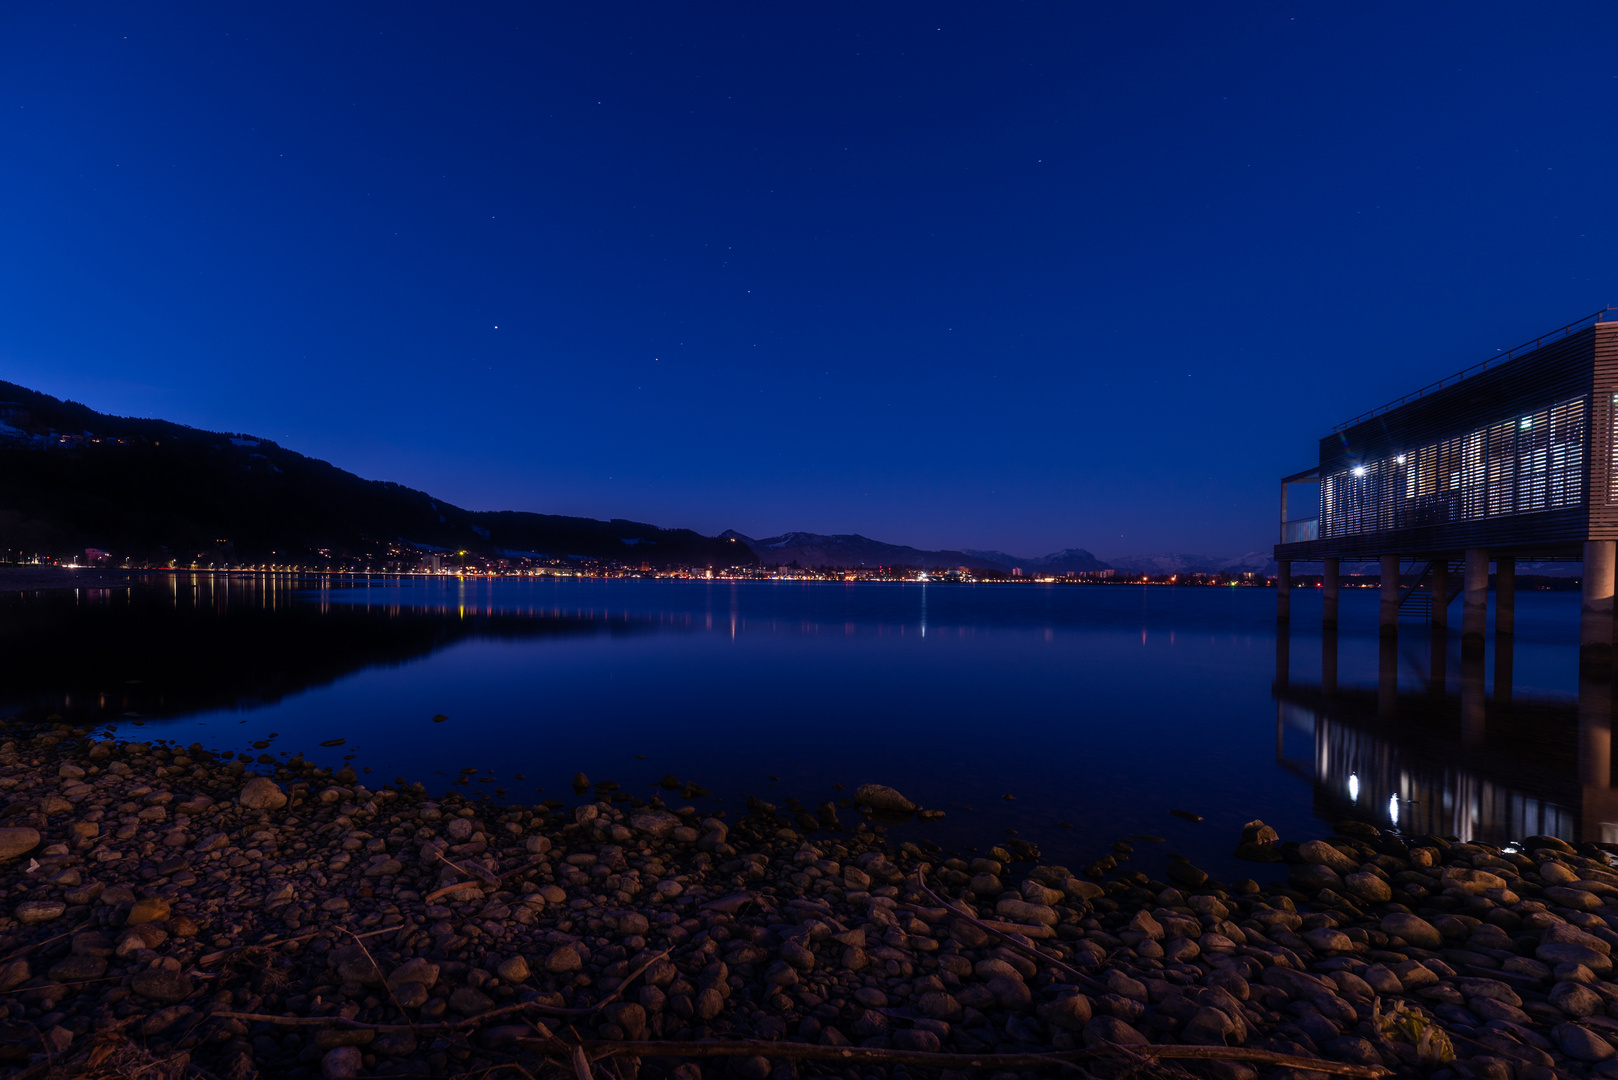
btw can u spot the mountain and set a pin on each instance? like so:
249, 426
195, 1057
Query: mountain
854, 551
850, 550
1066, 561
72, 478
1159, 565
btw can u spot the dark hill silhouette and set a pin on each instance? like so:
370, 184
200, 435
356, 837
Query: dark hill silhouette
72, 478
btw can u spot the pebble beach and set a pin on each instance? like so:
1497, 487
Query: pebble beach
170, 912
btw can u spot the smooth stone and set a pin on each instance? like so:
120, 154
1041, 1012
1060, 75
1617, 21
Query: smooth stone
150, 910
1413, 929
1581, 1043
882, 797
39, 911
17, 841
342, 1063
262, 793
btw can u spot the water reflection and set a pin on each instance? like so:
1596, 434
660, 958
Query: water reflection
1421, 755
189, 643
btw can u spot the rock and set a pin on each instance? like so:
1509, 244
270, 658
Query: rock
1575, 1000
514, 970
262, 793
1012, 993
469, 1001
1569, 897
1297, 985
938, 1005
657, 823
708, 1004
413, 971
14, 842
1324, 854
562, 960
882, 797
1555, 873
1580, 1043
1367, 887
1023, 912
1325, 939
150, 910
39, 911
629, 1017
1565, 952
343, 1063
394, 1044
1208, 1027
915, 1039
169, 987
13, 975
1413, 929
1313, 877
1104, 1030
1070, 1013
78, 969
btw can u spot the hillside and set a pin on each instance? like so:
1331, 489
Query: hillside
851, 550
72, 478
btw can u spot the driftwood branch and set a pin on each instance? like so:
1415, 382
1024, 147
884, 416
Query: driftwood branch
857, 1055
453, 1025
489, 878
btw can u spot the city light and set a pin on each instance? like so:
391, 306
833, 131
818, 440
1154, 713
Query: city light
1359, 470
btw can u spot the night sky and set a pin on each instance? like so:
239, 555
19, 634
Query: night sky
1017, 276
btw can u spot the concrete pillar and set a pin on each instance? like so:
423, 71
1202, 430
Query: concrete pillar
1328, 662
1472, 698
1440, 589
1595, 732
1505, 595
1475, 600
1328, 593
1390, 594
1504, 646
1437, 655
1283, 655
1387, 676
1283, 589
1595, 609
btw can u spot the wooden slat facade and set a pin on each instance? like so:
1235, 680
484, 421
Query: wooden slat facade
1518, 458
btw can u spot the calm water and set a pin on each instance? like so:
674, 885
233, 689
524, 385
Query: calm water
1098, 707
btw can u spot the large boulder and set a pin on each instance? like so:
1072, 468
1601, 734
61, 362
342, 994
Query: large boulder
262, 793
882, 797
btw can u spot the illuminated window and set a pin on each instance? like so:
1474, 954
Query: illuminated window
1522, 465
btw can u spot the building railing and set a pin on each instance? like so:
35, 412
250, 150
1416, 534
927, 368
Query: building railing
1477, 369
1300, 530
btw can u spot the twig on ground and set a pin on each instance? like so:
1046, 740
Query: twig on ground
874, 1056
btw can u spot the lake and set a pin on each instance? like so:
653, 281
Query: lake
1067, 715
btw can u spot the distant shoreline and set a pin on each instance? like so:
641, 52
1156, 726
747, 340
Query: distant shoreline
56, 578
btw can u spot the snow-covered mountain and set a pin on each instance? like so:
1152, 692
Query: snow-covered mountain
1159, 564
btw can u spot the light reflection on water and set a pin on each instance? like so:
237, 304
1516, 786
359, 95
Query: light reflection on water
1101, 707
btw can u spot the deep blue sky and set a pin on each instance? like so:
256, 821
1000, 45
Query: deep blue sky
1022, 276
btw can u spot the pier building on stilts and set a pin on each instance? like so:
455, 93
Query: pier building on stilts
1513, 459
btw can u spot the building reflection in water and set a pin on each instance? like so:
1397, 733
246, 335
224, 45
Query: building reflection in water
1452, 760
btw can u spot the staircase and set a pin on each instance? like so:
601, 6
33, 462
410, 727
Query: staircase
1416, 598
